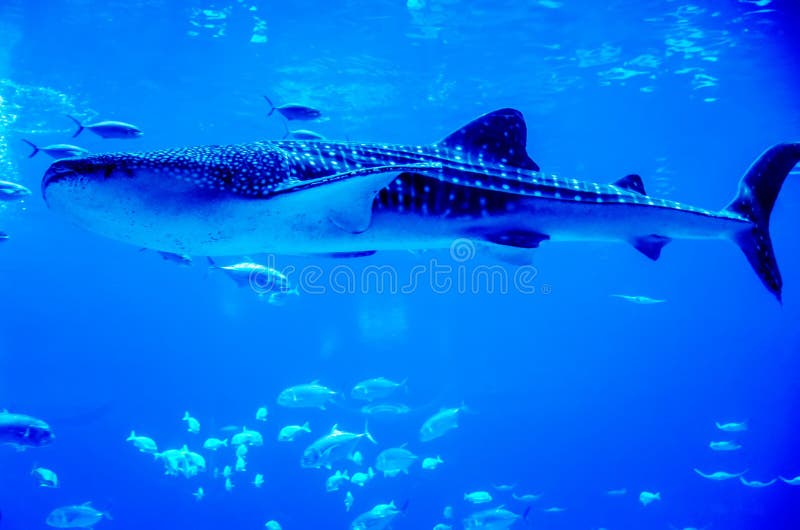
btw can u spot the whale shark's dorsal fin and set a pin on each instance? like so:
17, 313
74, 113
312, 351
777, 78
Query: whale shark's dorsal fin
631, 183
498, 136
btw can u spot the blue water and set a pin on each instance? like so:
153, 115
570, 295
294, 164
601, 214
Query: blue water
572, 392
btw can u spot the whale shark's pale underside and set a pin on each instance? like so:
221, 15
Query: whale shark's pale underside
312, 197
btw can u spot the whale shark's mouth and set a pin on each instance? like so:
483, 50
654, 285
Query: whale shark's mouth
77, 170
57, 173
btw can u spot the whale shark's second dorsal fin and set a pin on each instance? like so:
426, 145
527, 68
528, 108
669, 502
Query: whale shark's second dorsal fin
631, 183
498, 136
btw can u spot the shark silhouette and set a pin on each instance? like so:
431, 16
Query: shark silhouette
311, 197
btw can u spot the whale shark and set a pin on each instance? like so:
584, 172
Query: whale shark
303, 197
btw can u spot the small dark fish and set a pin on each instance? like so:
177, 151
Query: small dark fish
179, 259
292, 111
11, 191
24, 431
108, 129
57, 151
3, 236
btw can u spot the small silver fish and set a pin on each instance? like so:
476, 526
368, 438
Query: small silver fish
478, 497
641, 300
47, 477
24, 431
108, 129
333, 447
719, 475
394, 461
11, 191
3, 236
441, 422
293, 111
527, 497
312, 395
301, 134
76, 516
265, 281
756, 483
348, 501
376, 388
57, 151
732, 426
385, 409
724, 445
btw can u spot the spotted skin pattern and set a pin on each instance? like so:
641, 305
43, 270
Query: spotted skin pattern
467, 184
296, 196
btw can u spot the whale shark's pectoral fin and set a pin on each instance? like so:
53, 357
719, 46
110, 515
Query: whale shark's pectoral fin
512, 255
651, 245
517, 238
510, 246
349, 195
357, 254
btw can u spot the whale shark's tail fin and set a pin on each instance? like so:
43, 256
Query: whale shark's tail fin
758, 191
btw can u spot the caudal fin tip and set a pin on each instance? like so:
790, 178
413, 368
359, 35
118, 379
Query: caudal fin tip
758, 191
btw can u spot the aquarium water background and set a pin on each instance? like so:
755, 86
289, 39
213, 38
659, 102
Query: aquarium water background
571, 392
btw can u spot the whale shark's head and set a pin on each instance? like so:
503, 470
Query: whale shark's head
146, 198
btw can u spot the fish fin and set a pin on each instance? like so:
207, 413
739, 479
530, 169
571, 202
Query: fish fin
359, 254
757, 193
272, 107
512, 255
516, 238
33, 146
368, 434
499, 136
631, 182
651, 245
350, 195
79, 124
